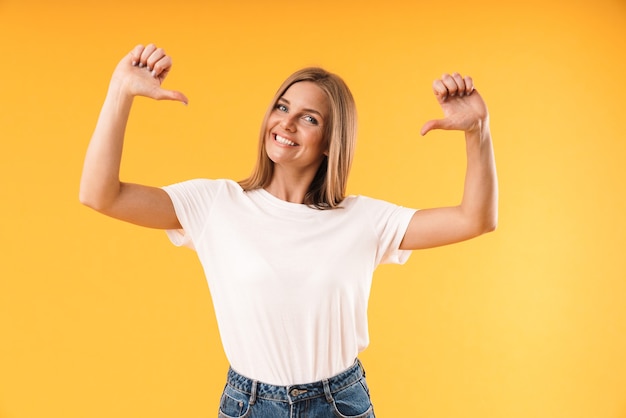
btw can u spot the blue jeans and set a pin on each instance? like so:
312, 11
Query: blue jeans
344, 395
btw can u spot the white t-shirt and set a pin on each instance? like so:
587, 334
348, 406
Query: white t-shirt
290, 284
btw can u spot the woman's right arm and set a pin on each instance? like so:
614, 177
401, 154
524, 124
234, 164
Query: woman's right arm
140, 73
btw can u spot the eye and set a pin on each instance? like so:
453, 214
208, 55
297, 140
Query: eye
281, 107
311, 120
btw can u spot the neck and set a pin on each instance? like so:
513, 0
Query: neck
288, 186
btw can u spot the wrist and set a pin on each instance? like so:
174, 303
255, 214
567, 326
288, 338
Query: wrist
479, 133
119, 92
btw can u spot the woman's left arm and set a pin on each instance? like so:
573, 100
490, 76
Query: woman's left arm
464, 110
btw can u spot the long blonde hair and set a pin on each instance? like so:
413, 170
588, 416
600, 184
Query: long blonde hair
328, 188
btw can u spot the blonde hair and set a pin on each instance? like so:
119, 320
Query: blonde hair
328, 188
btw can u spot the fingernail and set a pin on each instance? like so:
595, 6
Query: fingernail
134, 63
153, 73
141, 65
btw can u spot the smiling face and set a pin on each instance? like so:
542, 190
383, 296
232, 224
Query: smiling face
320, 137
296, 126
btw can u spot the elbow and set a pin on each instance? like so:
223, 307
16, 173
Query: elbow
488, 220
91, 200
490, 227
489, 224
483, 225
97, 196
482, 221
83, 197
481, 228
87, 200
85, 193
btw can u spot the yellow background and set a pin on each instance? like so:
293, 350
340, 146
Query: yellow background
104, 319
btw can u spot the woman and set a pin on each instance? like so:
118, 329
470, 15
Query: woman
288, 257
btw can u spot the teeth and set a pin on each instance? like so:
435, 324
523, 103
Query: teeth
284, 141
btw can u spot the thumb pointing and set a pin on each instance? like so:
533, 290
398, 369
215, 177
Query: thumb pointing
164, 94
430, 125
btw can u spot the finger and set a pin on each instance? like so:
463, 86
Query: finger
460, 84
428, 126
440, 90
469, 85
434, 124
158, 54
145, 54
135, 54
163, 94
450, 84
161, 67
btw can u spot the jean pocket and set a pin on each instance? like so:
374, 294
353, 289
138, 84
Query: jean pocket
234, 404
353, 401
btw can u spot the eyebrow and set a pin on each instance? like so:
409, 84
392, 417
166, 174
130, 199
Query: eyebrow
306, 110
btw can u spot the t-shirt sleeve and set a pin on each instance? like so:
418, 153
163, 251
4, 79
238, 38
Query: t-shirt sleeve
390, 224
192, 202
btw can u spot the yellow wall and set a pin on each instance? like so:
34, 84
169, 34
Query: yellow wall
104, 319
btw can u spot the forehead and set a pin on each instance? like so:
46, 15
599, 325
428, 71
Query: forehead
307, 95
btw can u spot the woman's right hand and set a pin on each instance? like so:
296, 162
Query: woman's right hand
141, 73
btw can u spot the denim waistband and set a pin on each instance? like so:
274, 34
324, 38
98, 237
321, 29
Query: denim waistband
296, 393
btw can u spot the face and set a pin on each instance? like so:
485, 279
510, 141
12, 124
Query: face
296, 125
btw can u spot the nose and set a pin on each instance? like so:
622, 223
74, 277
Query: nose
288, 123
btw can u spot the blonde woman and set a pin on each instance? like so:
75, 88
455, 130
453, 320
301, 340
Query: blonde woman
287, 255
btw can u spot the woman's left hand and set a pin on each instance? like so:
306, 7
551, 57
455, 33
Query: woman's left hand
463, 108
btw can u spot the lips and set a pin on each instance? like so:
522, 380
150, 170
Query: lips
284, 141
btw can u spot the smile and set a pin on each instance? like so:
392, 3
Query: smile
284, 141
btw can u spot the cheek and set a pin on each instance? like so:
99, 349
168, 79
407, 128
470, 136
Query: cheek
318, 136
325, 143
269, 124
